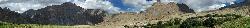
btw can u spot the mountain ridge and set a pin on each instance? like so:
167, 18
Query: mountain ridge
64, 14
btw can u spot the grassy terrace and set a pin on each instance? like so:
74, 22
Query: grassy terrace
208, 21
10, 25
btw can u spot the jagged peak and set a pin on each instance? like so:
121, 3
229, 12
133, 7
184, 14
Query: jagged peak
5, 9
68, 4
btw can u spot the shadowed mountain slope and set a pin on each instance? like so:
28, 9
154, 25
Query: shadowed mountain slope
64, 14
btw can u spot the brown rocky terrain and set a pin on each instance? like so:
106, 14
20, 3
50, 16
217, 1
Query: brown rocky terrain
158, 12
165, 12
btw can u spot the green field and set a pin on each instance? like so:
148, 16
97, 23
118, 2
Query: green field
208, 21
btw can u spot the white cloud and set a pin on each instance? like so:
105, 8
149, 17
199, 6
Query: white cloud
3, 0
140, 5
202, 5
23, 5
167, 1
205, 5
97, 4
106, 5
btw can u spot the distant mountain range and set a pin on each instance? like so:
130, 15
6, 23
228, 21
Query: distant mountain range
64, 14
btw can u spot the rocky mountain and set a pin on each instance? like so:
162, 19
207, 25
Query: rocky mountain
167, 12
9, 16
70, 14
64, 14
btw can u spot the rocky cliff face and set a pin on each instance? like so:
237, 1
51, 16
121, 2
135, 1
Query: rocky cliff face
9, 16
65, 14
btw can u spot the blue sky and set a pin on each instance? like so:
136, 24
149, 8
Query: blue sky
117, 5
120, 4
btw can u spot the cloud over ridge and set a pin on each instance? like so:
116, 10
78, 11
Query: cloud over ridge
115, 7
